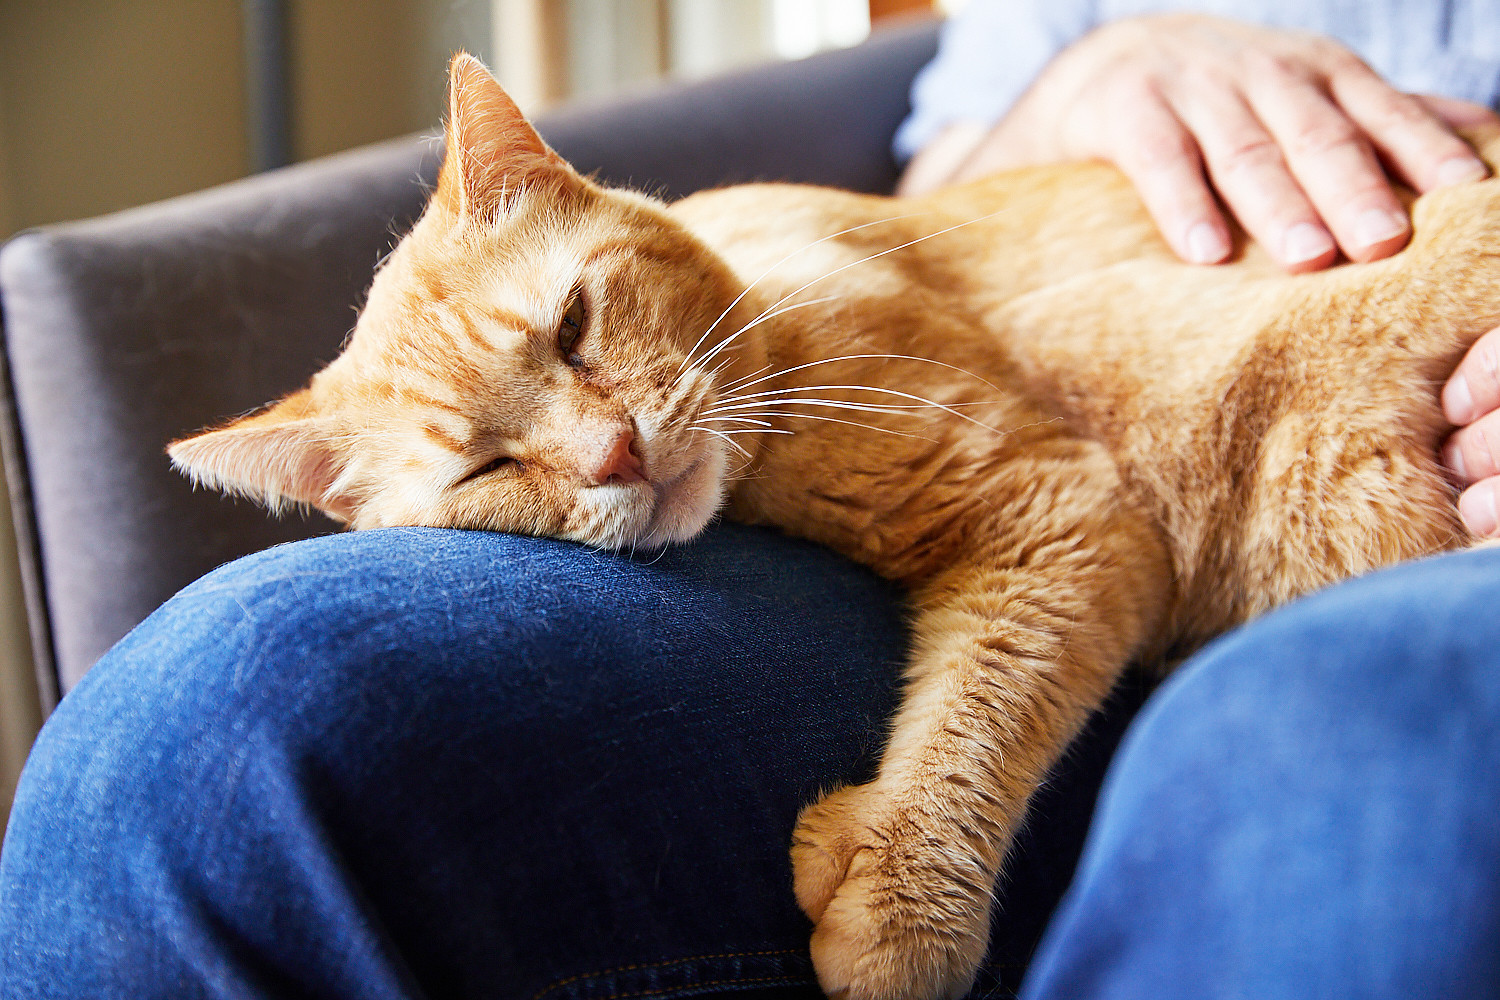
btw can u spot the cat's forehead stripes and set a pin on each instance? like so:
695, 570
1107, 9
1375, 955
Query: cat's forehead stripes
417, 397
528, 302
443, 396
643, 244
444, 438
473, 331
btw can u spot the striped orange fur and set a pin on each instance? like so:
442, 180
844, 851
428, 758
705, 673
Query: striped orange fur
1074, 450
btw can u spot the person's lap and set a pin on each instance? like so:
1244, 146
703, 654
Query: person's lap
435, 763
412, 763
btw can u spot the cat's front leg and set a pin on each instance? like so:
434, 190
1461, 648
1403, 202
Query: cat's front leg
898, 875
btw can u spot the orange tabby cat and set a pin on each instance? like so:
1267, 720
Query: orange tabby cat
1074, 450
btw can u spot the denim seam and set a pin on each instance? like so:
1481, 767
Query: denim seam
761, 980
662, 965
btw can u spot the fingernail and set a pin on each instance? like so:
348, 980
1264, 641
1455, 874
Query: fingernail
1206, 244
1477, 506
1458, 401
1376, 225
1453, 458
1304, 242
1460, 170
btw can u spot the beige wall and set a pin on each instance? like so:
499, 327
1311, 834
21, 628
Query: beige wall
375, 69
106, 104
7, 224
358, 80
110, 103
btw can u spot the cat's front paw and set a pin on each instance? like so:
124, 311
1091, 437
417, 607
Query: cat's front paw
901, 907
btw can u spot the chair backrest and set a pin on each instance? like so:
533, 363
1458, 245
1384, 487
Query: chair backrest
124, 332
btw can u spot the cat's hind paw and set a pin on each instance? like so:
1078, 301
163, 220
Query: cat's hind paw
899, 914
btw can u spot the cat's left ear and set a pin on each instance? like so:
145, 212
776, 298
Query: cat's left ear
285, 454
492, 150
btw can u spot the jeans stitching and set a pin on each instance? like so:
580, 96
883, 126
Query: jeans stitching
661, 965
712, 982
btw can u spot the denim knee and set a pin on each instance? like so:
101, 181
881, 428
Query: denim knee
1417, 641
1307, 807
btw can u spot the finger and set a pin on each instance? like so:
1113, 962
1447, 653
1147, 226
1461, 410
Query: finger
1474, 388
1456, 113
1159, 156
1252, 178
1477, 506
1419, 145
942, 160
1472, 452
1334, 163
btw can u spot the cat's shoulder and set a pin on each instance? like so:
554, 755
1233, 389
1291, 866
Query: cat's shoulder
789, 202
779, 213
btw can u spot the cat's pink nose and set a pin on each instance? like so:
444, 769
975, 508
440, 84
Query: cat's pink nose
620, 463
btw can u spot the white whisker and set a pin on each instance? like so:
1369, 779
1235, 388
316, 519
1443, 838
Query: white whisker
739, 381
831, 420
770, 397
727, 439
763, 317
768, 429
744, 420
897, 410
823, 239
714, 373
742, 384
863, 260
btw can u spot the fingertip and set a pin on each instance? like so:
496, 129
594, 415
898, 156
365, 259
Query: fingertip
1453, 458
1377, 233
1472, 393
1379, 251
1206, 243
1307, 247
1458, 400
1459, 170
1476, 505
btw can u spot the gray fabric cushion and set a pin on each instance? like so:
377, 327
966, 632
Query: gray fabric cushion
124, 332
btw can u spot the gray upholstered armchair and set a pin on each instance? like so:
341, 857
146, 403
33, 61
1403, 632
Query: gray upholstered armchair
124, 332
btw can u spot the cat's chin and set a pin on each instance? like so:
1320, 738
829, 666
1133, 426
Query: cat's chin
649, 515
689, 500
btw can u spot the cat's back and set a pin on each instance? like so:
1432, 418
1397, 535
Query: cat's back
995, 238
1281, 429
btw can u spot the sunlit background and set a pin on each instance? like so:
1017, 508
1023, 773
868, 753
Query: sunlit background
107, 104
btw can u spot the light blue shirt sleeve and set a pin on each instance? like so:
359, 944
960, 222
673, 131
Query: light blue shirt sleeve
992, 49
988, 54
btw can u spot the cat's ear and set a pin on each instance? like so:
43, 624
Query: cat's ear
281, 456
492, 150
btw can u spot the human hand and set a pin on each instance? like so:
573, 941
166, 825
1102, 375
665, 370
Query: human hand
1471, 401
1290, 131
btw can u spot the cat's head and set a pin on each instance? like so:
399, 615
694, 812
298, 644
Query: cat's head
521, 363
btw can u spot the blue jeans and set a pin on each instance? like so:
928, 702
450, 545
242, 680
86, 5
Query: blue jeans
412, 763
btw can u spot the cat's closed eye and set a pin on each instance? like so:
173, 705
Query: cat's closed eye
503, 462
570, 330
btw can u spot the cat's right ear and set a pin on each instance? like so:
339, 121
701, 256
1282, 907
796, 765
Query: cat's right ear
492, 151
280, 456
